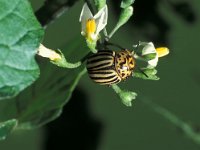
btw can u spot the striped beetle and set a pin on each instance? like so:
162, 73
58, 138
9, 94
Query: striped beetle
108, 67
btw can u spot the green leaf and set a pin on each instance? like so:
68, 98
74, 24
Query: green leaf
20, 35
6, 127
43, 101
125, 15
146, 74
48, 107
126, 3
126, 96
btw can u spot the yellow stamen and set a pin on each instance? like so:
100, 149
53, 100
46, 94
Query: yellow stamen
162, 51
90, 27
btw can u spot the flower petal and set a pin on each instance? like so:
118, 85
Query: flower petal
101, 11
48, 53
153, 63
101, 19
84, 16
148, 48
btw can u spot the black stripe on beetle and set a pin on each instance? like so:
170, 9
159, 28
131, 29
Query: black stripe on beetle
109, 67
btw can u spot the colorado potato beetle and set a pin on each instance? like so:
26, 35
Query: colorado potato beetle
108, 67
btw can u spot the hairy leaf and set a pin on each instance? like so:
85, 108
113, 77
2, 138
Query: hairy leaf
6, 127
146, 74
126, 3
20, 35
43, 101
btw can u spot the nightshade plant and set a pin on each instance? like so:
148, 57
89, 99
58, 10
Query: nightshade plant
21, 36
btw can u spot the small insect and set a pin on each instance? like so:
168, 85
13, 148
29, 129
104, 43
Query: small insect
108, 67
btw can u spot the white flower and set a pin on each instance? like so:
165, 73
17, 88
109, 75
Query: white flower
48, 53
92, 25
148, 49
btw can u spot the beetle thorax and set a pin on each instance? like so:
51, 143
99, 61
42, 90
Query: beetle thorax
124, 64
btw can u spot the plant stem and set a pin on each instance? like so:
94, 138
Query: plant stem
113, 31
116, 88
105, 32
185, 127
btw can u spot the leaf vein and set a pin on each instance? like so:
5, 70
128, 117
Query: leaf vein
10, 11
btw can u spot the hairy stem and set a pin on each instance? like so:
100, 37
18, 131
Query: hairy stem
175, 120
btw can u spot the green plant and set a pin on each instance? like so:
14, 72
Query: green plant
21, 37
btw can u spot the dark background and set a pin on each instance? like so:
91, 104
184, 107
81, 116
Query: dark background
95, 118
